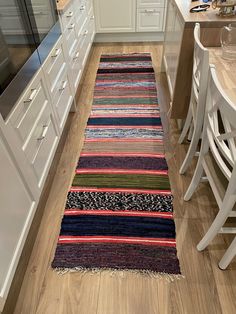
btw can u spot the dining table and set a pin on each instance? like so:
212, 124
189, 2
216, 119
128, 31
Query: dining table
225, 70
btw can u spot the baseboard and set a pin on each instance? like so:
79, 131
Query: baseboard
128, 37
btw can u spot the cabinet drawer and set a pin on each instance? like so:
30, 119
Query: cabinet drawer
71, 36
89, 5
63, 99
68, 15
54, 65
76, 65
153, 3
28, 108
81, 16
150, 19
42, 143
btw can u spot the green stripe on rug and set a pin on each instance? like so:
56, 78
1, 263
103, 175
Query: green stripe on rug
104, 101
142, 181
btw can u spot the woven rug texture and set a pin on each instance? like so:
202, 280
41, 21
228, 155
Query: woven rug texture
119, 212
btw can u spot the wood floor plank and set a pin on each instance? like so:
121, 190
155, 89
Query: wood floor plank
205, 289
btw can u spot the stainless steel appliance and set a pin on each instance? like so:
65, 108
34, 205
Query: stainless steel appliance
28, 31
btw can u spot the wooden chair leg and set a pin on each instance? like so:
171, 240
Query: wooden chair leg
228, 256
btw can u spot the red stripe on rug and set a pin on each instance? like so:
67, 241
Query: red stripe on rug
125, 115
111, 239
122, 155
119, 190
128, 213
121, 171
128, 96
149, 106
151, 127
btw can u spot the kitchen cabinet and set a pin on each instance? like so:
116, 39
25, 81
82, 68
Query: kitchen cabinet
131, 20
150, 15
115, 16
17, 210
34, 126
173, 36
30, 134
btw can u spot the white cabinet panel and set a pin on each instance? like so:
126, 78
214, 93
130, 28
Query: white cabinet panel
155, 3
17, 207
115, 16
150, 20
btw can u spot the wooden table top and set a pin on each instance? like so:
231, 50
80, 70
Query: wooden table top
210, 16
62, 5
225, 70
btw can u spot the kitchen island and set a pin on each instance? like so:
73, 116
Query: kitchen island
178, 48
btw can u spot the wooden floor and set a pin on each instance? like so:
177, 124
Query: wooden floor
205, 289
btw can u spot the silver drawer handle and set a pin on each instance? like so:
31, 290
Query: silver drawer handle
150, 11
71, 26
57, 51
92, 17
63, 86
82, 8
31, 96
45, 129
85, 33
70, 14
76, 56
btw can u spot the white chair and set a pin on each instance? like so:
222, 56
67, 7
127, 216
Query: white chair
217, 161
195, 117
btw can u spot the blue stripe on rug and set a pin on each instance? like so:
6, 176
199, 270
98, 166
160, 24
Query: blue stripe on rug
136, 121
97, 225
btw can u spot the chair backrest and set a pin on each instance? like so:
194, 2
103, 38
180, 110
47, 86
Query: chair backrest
220, 127
200, 69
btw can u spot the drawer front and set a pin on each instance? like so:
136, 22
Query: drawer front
71, 36
76, 65
67, 16
81, 16
89, 5
84, 43
42, 144
45, 153
54, 65
28, 108
150, 20
153, 3
64, 100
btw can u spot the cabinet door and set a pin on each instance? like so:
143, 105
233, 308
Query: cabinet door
115, 16
150, 20
16, 214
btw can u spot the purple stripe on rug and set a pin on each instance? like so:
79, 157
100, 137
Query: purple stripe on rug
117, 256
106, 162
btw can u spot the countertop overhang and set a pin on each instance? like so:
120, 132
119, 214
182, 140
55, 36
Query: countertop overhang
207, 18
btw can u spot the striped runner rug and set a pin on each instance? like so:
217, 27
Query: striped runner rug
119, 213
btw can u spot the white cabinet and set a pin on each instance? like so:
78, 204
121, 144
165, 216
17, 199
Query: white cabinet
78, 32
122, 16
150, 15
150, 19
34, 127
115, 16
56, 74
17, 209
173, 37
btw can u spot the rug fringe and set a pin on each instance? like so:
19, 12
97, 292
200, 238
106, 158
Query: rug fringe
119, 272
